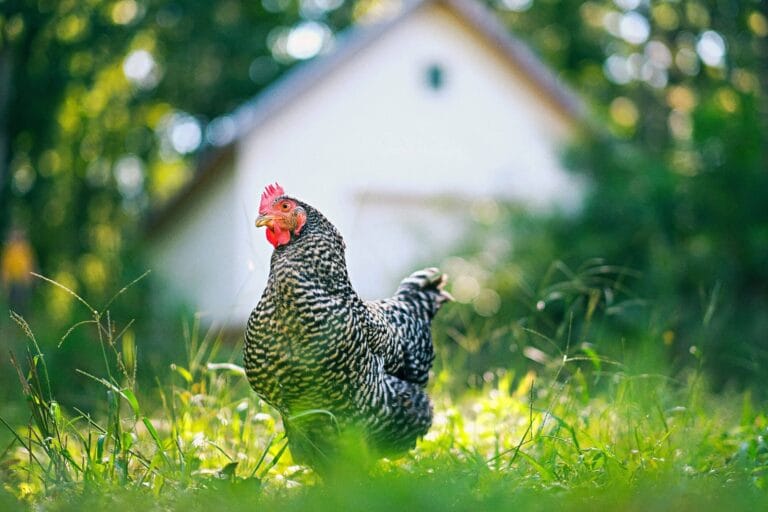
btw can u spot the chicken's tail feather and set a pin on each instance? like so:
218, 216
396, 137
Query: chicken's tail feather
428, 287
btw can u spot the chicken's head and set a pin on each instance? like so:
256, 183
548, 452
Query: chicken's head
283, 216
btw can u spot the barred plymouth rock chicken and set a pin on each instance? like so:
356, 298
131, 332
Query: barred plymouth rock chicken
330, 362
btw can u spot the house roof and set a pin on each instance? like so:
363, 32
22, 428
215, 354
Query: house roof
302, 77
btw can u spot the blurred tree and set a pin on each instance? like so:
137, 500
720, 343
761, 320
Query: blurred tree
17, 262
105, 103
103, 109
102, 105
679, 179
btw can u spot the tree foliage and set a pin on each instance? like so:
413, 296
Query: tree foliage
105, 104
677, 170
96, 98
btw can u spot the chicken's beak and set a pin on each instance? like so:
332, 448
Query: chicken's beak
264, 220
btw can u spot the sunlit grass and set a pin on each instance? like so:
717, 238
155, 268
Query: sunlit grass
577, 433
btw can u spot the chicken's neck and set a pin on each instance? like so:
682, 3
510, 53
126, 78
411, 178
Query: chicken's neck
313, 263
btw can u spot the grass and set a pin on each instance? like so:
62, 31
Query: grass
582, 433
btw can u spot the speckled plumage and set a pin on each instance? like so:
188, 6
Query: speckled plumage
330, 362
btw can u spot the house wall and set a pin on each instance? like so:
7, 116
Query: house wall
393, 163
193, 256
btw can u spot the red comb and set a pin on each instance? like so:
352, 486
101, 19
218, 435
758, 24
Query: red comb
271, 192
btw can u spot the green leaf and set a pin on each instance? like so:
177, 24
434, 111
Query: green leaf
183, 372
100, 446
545, 473
127, 441
228, 471
56, 413
594, 357
156, 437
131, 398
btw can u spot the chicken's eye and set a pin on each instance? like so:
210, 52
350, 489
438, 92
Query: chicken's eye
285, 206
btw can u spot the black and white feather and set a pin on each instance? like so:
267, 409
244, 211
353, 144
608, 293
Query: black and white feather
330, 362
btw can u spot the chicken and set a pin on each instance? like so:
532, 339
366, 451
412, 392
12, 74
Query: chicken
328, 361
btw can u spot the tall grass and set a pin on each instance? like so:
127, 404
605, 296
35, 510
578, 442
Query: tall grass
576, 430
202, 422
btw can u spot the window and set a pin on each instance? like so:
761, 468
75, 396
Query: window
435, 76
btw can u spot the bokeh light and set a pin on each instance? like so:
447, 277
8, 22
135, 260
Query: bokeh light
141, 69
634, 27
711, 48
306, 40
516, 5
129, 176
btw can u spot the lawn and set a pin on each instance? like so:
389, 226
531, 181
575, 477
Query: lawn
585, 432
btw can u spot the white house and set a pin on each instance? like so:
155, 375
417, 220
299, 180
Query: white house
393, 135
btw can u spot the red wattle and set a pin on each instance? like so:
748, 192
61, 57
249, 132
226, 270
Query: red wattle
277, 236
271, 237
